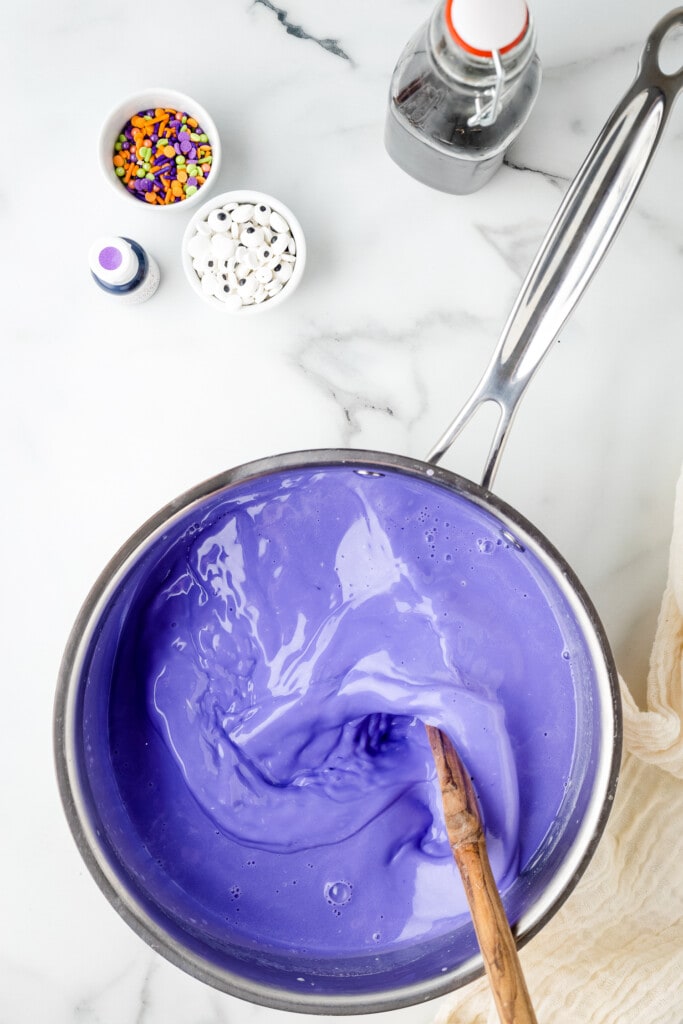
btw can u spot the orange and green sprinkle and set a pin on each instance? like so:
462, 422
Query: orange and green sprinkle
162, 156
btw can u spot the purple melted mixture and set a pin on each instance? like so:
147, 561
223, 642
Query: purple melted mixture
266, 716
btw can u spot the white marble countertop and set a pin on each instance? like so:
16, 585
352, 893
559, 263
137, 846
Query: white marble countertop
108, 412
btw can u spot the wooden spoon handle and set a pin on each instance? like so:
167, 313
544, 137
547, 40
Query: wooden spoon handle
495, 939
468, 843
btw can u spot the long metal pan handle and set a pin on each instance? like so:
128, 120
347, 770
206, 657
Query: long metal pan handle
578, 238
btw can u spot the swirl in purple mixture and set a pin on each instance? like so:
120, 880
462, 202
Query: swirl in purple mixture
295, 651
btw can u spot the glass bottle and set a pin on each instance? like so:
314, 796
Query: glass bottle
462, 91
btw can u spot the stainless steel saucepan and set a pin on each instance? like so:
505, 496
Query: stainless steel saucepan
578, 238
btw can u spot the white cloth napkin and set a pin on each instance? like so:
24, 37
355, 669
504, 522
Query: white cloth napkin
613, 954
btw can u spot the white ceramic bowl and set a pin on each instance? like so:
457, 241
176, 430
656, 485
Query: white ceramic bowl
256, 199
150, 99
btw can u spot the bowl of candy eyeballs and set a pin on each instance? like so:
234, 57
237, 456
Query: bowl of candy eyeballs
243, 252
160, 147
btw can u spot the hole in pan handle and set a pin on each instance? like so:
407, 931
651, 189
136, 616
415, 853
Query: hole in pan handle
583, 228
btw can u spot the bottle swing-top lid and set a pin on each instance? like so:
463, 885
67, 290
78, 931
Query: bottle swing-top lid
486, 27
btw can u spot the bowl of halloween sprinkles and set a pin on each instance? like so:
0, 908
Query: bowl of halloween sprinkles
160, 148
243, 252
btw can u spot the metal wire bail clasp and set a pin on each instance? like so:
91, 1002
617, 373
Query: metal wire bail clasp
486, 113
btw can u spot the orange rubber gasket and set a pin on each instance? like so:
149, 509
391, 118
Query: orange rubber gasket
471, 49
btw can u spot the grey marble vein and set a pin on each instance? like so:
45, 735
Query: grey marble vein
330, 362
321, 359
557, 180
145, 989
331, 45
516, 244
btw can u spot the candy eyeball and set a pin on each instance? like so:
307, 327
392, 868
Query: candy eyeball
262, 214
199, 246
210, 284
283, 272
246, 286
279, 243
277, 222
243, 254
242, 213
251, 236
219, 220
222, 245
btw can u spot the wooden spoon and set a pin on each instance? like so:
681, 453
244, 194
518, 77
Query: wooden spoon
468, 843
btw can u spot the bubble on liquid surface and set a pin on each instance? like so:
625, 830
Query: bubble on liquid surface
338, 893
485, 546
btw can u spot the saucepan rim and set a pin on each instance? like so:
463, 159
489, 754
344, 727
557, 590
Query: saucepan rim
90, 843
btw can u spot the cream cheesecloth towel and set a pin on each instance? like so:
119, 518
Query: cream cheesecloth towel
613, 954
